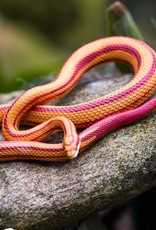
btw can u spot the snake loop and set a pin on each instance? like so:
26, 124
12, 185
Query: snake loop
100, 115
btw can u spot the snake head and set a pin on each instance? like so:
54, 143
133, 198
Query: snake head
71, 144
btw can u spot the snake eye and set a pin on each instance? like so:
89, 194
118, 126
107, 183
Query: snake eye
68, 140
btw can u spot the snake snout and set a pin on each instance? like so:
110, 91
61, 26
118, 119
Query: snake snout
72, 146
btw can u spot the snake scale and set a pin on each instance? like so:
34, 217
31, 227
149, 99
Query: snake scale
99, 116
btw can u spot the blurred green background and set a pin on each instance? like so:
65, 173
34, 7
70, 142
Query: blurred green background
37, 36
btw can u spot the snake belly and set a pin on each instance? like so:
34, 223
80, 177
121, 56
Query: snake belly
93, 114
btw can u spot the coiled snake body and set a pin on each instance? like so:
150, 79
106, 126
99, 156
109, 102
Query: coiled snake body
100, 116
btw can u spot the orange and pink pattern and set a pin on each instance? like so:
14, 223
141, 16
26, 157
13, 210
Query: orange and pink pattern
100, 116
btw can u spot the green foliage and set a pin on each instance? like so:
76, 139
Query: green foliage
24, 56
67, 23
120, 22
49, 16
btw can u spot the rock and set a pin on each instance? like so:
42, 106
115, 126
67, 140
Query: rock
43, 196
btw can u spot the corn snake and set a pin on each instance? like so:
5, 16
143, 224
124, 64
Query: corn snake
100, 116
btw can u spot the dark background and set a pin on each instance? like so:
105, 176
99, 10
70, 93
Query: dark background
69, 23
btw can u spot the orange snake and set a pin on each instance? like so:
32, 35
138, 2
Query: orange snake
99, 116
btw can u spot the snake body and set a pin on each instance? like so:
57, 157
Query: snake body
100, 116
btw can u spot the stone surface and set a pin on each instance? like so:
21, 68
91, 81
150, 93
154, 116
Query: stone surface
44, 196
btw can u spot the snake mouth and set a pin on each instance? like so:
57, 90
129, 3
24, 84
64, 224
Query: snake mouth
72, 154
